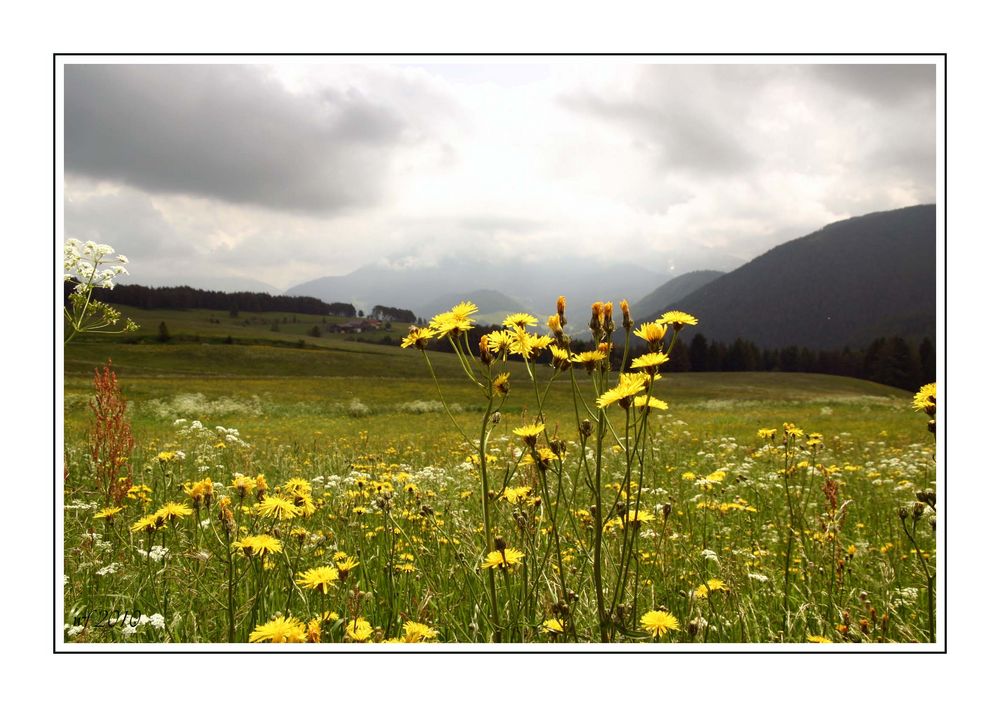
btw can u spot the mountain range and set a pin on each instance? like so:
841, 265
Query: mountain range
844, 285
536, 285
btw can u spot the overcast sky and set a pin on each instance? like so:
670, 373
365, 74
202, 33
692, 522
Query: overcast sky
290, 172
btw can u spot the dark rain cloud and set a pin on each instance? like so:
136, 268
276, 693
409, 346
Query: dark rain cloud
230, 132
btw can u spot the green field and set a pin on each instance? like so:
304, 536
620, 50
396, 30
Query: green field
800, 543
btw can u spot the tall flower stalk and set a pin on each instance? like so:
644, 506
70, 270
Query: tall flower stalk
90, 267
488, 370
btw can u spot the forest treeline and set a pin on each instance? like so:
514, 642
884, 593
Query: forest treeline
184, 297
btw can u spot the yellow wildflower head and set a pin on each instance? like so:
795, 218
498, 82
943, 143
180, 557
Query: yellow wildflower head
358, 630
658, 623
318, 578
650, 362
652, 333
520, 320
677, 320
415, 632
278, 508
505, 559
279, 630
926, 399
529, 433
418, 338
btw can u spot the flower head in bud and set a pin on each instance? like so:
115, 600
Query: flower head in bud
561, 309
597, 318
626, 315
484, 350
555, 325
609, 321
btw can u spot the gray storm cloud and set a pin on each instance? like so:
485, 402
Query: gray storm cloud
286, 173
229, 132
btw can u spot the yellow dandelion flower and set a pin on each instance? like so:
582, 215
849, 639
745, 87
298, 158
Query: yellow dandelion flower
277, 507
297, 486
517, 495
108, 513
314, 631
505, 560
818, 639
318, 578
520, 320
500, 342
463, 310
501, 384
529, 345
148, 523
415, 632
529, 433
279, 630
243, 485
767, 432
714, 585
653, 402
640, 517
358, 630
792, 431
199, 491
622, 393
447, 324
657, 623
560, 358
172, 511
677, 319
652, 333
925, 399
259, 545
418, 338
650, 361
553, 626
346, 565
589, 359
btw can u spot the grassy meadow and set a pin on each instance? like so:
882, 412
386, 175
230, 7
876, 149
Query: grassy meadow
339, 493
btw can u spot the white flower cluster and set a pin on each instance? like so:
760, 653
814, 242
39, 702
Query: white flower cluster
131, 624
83, 262
81, 506
156, 553
109, 569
